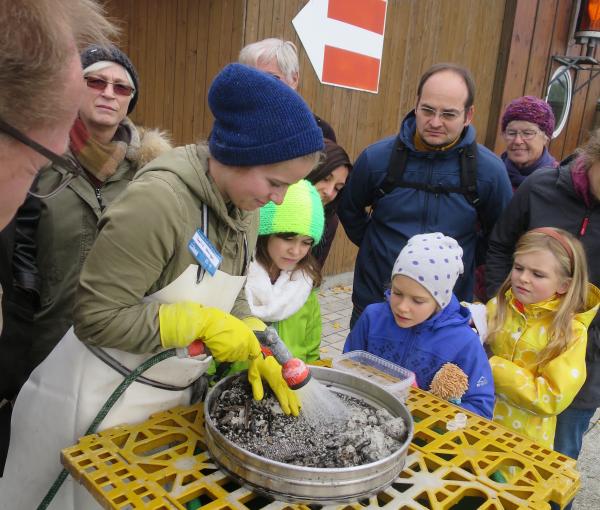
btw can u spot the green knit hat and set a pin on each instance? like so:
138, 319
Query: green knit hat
300, 213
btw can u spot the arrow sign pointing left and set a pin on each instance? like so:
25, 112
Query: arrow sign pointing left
344, 40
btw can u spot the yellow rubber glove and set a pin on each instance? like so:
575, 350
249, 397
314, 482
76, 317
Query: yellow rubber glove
227, 337
269, 370
254, 323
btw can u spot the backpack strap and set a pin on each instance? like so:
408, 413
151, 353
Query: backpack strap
468, 175
395, 170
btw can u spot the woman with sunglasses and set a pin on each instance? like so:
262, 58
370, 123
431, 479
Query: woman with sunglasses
527, 126
107, 149
167, 268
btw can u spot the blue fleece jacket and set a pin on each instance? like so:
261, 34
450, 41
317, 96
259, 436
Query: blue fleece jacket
404, 212
445, 337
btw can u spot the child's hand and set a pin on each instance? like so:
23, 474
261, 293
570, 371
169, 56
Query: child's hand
478, 319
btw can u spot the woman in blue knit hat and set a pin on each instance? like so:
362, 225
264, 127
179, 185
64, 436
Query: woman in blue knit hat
167, 268
284, 275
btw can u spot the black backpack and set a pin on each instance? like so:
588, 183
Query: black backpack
468, 176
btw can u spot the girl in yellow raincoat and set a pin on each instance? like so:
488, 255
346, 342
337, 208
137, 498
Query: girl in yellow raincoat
538, 332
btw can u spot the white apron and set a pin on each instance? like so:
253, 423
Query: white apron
63, 395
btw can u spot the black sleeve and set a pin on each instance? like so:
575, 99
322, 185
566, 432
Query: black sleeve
321, 250
513, 222
24, 260
7, 243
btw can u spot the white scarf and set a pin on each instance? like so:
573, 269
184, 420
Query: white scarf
272, 302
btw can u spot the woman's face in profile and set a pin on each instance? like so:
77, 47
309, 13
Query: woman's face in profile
332, 184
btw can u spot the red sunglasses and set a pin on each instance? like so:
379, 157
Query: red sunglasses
100, 84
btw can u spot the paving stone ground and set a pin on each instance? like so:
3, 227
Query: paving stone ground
335, 297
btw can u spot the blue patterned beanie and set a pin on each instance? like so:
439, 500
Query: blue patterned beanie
433, 260
259, 120
300, 213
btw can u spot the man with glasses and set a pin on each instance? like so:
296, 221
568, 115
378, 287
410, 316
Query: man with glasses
431, 177
40, 89
40, 85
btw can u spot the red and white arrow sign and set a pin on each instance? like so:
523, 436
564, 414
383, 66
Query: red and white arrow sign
344, 40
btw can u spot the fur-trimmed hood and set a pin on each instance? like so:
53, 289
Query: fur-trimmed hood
146, 144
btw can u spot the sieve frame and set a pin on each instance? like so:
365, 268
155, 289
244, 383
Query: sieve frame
309, 485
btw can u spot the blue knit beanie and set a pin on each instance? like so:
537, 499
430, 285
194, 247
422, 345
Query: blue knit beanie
301, 213
259, 120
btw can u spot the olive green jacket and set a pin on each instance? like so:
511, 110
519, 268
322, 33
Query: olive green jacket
66, 231
142, 247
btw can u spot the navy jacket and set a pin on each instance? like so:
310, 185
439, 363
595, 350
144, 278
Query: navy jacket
445, 337
405, 212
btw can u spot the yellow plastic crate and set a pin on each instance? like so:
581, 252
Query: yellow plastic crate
538, 474
163, 464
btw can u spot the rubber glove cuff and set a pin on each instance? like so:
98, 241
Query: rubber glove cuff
179, 324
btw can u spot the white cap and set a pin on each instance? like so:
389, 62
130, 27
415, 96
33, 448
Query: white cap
433, 260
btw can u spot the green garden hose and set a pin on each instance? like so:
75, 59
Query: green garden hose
110, 402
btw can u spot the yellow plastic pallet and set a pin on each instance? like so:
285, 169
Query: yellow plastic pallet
485, 447
163, 464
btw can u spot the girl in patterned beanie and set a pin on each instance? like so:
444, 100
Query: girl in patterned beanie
421, 326
538, 327
282, 279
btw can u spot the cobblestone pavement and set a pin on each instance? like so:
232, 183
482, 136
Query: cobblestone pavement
335, 297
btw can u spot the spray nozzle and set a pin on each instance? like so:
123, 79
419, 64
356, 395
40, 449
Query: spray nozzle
294, 371
196, 349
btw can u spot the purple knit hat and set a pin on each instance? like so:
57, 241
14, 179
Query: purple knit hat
530, 109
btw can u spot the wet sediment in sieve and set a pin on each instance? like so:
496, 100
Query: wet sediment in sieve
360, 436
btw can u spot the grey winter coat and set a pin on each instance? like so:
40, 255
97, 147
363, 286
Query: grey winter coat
66, 231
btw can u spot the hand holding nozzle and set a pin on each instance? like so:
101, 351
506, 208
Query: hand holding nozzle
294, 371
196, 349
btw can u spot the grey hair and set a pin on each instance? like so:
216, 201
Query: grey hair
283, 52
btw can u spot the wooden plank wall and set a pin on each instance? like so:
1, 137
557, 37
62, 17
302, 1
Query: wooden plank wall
540, 30
179, 45
418, 34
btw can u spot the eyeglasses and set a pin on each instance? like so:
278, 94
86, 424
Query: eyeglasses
526, 134
69, 164
101, 84
447, 115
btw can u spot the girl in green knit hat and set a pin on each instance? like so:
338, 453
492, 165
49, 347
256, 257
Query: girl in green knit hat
284, 275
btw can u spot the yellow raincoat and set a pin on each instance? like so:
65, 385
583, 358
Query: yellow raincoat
528, 397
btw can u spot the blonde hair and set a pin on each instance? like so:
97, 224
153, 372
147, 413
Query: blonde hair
283, 52
38, 40
573, 301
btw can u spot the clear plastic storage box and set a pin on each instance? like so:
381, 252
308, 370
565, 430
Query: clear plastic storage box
394, 378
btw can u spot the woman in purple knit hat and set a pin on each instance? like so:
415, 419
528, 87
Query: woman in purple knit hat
527, 126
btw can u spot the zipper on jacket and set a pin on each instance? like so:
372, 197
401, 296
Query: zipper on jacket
584, 223
99, 198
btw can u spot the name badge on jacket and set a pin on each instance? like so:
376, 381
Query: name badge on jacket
205, 252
